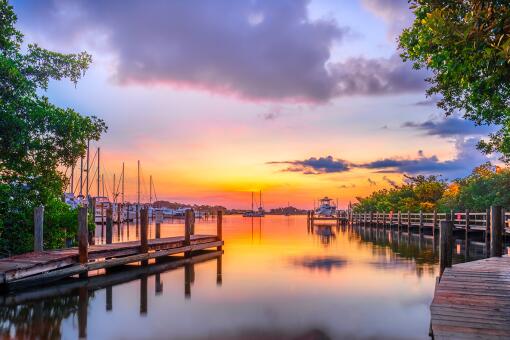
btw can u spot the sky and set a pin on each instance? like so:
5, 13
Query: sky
299, 99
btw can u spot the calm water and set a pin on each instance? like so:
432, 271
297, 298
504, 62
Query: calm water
275, 280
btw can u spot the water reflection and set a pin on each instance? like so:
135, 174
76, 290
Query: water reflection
278, 278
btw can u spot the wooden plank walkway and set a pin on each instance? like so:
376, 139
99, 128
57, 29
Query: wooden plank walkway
472, 301
55, 264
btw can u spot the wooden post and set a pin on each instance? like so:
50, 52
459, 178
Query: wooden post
83, 233
219, 226
487, 232
384, 219
187, 226
409, 223
38, 228
445, 245
467, 225
109, 225
371, 218
496, 231
399, 220
144, 242
434, 223
420, 227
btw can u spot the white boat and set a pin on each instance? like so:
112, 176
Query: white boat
326, 208
260, 212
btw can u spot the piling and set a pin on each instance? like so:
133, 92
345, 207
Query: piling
487, 231
83, 241
496, 231
399, 220
143, 284
144, 242
187, 280
219, 226
187, 226
467, 225
434, 223
445, 245
83, 302
219, 279
109, 225
409, 223
420, 226
38, 228
371, 218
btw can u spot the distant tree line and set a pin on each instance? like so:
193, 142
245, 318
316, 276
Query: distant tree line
487, 185
198, 207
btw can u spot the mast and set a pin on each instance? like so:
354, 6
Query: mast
260, 199
72, 179
98, 177
88, 164
114, 196
122, 183
138, 200
150, 190
81, 176
252, 201
102, 181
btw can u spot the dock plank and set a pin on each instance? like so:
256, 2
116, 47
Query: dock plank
472, 301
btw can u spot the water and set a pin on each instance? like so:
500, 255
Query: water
276, 280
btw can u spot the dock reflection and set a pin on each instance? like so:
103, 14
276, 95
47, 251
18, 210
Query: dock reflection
39, 313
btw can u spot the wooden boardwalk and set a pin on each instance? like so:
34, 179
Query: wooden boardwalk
472, 301
55, 264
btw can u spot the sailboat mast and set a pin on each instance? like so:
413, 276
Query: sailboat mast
98, 172
122, 183
72, 179
138, 200
81, 176
150, 190
102, 181
252, 201
114, 197
260, 198
88, 168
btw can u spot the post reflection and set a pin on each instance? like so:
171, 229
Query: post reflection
40, 312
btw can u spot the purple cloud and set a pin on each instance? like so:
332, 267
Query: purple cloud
316, 166
449, 127
257, 50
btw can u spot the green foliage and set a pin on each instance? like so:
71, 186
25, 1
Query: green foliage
37, 139
485, 186
466, 45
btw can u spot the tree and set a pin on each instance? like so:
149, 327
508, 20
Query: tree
37, 139
466, 45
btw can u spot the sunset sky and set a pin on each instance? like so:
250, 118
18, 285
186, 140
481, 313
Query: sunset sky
299, 99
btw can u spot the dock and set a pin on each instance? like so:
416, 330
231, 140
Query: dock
472, 301
41, 266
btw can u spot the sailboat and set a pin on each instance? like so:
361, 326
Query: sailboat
255, 213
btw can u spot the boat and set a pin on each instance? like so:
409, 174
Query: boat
260, 212
326, 208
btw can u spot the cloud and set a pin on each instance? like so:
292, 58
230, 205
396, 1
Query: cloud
377, 76
449, 127
345, 186
466, 159
316, 166
257, 50
395, 13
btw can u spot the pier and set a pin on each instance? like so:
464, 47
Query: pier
44, 266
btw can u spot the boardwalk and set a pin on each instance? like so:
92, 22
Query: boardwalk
55, 264
472, 301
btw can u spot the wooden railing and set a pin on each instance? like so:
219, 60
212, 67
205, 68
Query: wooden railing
467, 220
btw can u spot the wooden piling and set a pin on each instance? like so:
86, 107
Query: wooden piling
466, 225
38, 228
371, 218
219, 226
420, 226
384, 219
496, 231
445, 245
409, 223
143, 284
399, 220
487, 231
109, 225
83, 240
219, 279
144, 228
187, 226
434, 223
159, 285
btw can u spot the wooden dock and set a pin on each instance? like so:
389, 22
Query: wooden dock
43, 266
472, 301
